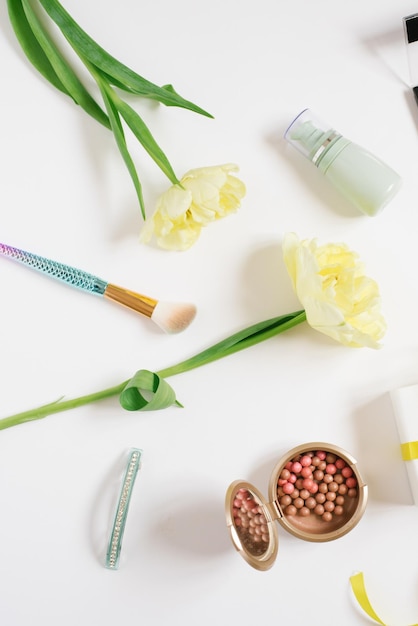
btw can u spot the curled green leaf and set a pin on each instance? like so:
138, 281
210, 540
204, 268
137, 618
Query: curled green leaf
147, 391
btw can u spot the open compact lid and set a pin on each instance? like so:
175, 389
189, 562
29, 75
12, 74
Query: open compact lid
251, 524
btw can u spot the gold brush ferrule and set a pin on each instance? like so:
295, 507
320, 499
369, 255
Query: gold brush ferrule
135, 301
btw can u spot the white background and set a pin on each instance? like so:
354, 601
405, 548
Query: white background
65, 194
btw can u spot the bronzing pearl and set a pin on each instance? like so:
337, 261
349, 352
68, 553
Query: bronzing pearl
305, 460
320, 497
318, 474
288, 488
329, 506
291, 510
351, 482
304, 511
285, 501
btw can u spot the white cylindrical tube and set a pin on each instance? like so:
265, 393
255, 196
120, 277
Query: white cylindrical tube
405, 405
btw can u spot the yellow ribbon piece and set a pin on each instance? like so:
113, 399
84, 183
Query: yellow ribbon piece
359, 590
409, 450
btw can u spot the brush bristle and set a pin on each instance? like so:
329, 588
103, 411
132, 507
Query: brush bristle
173, 317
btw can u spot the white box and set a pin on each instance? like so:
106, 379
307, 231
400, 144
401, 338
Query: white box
405, 404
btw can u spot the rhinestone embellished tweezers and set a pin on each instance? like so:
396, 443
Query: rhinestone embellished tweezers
116, 536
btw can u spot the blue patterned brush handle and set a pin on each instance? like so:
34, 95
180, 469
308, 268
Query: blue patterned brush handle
65, 273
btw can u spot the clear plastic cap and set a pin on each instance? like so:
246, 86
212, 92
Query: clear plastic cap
309, 134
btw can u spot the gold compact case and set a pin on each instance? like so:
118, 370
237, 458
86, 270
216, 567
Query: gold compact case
315, 492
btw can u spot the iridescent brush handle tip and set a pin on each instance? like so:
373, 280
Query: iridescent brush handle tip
171, 317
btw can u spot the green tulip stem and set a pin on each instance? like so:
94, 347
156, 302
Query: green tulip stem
239, 341
59, 405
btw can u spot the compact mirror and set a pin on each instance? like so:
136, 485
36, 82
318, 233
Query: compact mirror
251, 526
315, 492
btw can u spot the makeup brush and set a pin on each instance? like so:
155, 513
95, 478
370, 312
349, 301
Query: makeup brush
169, 316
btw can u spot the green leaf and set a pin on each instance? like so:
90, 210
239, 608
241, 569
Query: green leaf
30, 45
117, 129
63, 71
123, 76
144, 136
146, 391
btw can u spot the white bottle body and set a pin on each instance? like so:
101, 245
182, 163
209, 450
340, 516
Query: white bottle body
361, 177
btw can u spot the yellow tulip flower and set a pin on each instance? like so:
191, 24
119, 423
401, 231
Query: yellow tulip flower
339, 300
202, 196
